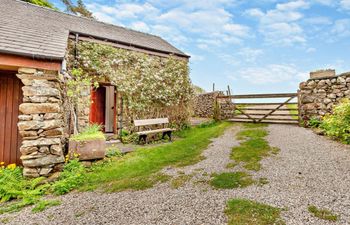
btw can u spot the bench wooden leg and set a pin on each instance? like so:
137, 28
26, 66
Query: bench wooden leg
164, 134
144, 138
167, 133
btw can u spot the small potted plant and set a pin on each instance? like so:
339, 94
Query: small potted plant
90, 144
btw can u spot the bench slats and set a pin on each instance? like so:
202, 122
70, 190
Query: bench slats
148, 122
154, 131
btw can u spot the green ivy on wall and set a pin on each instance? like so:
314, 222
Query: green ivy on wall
151, 85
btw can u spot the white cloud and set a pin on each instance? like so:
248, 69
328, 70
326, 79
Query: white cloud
339, 65
254, 12
310, 50
193, 4
116, 13
236, 29
341, 28
140, 26
177, 20
345, 4
229, 59
195, 57
280, 26
325, 2
250, 54
214, 24
271, 74
104, 17
319, 20
293, 5
243, 55
170, 33
285, 34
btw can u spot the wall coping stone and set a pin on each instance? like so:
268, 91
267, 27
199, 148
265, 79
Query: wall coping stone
346, 74
210, 93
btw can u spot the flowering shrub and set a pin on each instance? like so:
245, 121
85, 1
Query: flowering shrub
337, 124
151, 86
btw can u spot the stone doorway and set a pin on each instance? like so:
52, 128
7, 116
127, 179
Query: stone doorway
103, 107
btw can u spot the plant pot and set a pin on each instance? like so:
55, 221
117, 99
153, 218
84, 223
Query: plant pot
87, 149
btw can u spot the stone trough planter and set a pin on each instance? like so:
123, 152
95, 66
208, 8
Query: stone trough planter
87, 150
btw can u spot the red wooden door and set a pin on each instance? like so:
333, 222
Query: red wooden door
98, 106
10, 99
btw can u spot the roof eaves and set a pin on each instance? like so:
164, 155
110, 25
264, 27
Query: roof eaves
33, 56
130, 45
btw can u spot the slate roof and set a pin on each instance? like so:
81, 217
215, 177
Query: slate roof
38, 32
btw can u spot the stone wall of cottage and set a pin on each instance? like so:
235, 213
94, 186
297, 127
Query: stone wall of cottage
84, 108
41, 122
321, 92
204, 104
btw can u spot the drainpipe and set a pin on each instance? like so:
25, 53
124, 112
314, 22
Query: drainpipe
64, 66
76, 47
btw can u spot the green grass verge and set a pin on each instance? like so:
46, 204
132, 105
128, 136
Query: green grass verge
140, 169
252, 133
243, 212
241, 107
254, 125
231, 180
253, 149
322, 213
293, 110
44, 204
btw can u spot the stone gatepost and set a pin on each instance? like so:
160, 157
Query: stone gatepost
41, 122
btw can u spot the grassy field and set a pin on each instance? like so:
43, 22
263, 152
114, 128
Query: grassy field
293, 110
141, 169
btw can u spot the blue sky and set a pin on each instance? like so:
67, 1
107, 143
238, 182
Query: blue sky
254, 46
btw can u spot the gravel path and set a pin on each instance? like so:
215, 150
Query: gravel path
309, 170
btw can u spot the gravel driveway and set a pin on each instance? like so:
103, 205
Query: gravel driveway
309, 170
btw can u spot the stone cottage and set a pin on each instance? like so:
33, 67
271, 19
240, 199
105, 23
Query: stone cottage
33, 61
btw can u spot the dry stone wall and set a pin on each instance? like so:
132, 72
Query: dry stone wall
41, 122
319, 95
204, 104
227, 109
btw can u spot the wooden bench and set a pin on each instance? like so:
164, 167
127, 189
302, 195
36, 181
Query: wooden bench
151, 122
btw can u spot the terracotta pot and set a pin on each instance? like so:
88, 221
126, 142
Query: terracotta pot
87, 150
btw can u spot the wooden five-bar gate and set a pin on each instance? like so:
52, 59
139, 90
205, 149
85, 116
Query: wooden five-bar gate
286, 112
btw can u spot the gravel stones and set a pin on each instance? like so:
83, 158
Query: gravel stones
309, 170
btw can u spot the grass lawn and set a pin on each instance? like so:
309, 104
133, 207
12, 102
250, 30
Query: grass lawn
242, 212
322, 213
231, 180
141, 169
254, 148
